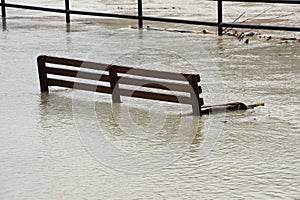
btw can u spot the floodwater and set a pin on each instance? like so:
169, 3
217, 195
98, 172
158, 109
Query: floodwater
75, 145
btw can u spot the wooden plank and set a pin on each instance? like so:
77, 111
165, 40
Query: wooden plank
122, 80
79, 86
155, 96
123, 92
78, 74
120, 69
154, 84
156, 74
76, 63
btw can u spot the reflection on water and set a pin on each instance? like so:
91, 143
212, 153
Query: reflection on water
4, 25
126, 138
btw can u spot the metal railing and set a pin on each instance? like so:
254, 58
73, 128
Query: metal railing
140, 17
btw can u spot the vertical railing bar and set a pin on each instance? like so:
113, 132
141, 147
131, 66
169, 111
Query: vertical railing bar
3, 9
140, 13
67, 8
220, 18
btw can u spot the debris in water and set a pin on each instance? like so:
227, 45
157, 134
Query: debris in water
241, 36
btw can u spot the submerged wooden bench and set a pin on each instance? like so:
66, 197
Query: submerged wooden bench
163, 82
70, 73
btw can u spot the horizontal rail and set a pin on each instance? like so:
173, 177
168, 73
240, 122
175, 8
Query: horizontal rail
101, 14
78, 12
28, 7
266, 1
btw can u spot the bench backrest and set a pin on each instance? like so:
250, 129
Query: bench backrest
71, 73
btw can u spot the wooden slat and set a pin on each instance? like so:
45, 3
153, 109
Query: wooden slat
122, 80
76, 63
156, 74
155, 96
120, 69
78, 86
63, 61
78, 74
123, 92
155, 84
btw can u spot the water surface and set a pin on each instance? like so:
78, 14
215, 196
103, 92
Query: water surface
44, 154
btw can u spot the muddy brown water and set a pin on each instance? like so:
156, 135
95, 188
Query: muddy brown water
73, 145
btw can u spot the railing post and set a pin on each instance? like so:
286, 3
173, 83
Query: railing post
3, 8
114, 85
140, 13
220, 18
67, 8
